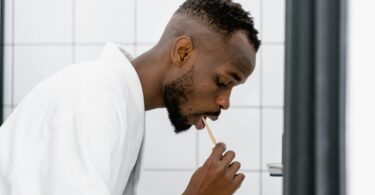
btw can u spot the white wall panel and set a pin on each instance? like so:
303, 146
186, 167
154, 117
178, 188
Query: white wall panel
102, 20
43, 21
32, 64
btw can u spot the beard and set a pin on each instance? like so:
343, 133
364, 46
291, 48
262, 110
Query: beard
175, 95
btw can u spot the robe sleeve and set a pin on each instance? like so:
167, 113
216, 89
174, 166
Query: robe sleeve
77, 158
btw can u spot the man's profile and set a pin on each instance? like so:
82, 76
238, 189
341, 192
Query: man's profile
81, 130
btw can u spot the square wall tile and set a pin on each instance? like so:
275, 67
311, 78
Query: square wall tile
8, 21
163, 147
41, 21
140, 49
251, 184
102, 20
272, 136
254, 7
239, 129
273, 75
32, 64
248, 94
92, 52
163, 182
152, 18
7, 79
273, 21
272, 185
84, 53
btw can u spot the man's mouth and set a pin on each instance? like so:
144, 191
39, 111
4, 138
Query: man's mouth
199, 124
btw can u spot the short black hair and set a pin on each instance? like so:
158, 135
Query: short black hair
224, 16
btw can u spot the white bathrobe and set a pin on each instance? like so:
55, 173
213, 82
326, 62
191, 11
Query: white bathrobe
78, 132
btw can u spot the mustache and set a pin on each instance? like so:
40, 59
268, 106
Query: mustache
216, 113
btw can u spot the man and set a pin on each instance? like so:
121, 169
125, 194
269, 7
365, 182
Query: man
81, 130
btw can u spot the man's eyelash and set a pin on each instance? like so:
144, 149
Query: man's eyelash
221, 84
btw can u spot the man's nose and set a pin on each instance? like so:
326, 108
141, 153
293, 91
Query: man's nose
224, 100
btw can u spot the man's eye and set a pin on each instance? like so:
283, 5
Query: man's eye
221, 83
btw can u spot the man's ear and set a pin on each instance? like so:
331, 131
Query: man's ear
182, 49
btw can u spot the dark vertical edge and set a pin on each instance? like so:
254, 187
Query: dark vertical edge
326, 90
315, 89
260, 130
342, 94
298, 157
285, 139
2, 15
330, 94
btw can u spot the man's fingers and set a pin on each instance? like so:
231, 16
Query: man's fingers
228, 157
238, 179
233, 168
217, 151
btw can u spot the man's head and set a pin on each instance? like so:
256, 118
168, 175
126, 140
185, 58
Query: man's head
212, 46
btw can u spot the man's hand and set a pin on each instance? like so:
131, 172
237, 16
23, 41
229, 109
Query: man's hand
217, 176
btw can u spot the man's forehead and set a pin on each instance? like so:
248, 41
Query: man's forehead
242, 54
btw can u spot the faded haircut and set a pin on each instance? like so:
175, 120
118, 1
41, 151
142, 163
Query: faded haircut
224, 16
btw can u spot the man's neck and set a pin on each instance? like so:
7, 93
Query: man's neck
151, 69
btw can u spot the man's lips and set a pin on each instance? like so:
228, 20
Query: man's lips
199, 124
213, 118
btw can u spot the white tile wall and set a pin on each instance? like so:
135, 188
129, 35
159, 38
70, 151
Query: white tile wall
251, 184
163, 182
254, 7
152, 17
48, 35
102, 20
271, 185
248, 94
87, 52
165, 149
273, 21
92, 52
272, 135
273, 75
42, 21
8, 23
32, 64
7, 76
240, 130
142, 48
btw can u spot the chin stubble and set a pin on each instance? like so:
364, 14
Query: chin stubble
175, 95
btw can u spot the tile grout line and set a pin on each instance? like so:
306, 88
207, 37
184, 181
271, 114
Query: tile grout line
193, 169
73, 31
261, 109
12, 59
135, 29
